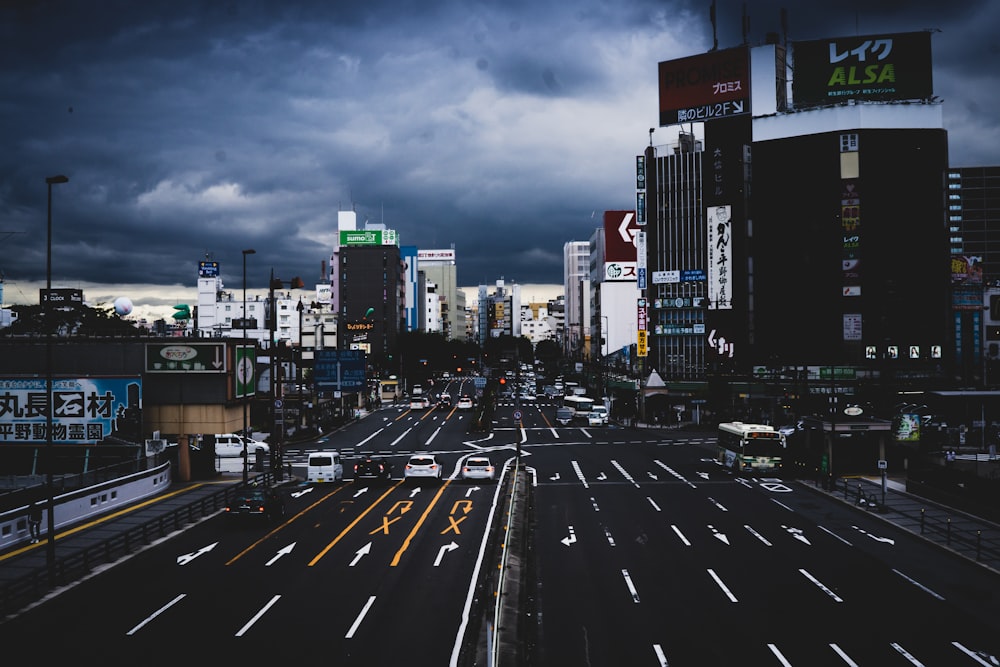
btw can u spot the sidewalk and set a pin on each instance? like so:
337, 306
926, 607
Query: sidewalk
971, 537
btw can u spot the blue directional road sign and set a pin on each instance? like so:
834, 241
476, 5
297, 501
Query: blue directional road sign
340, 370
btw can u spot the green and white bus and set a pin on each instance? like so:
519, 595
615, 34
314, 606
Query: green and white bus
750, 448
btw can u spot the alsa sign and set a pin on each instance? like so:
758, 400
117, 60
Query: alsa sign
869, 67
706, 86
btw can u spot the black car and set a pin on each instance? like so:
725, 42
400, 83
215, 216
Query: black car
256, 501
372, 469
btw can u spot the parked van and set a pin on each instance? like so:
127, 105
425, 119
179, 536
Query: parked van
324, 467
231, 444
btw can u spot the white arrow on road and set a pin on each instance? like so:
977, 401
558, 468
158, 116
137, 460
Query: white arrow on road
360, 553
554, 477
651, 475
797, 534
187, 558
364, 490
571, 539
703, 475
602, 477
886, 540
282, 552
442, 551
716, 533
299, 494
415, 491
469, 492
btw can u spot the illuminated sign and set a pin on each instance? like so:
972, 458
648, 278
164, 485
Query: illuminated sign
869, 67
706, 86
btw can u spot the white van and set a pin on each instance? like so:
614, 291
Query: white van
231, 444
324, 467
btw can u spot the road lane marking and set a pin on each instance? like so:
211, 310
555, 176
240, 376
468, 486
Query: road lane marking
353, 523
903, 652
757, 535
653, 503
631, 586
579, 474
680, 535
777, 654
729, 593
830, 532
156, 613
420, 522
607, 533
624, 474
256, 617
918, 585
659, 655
973, 655
843, 656
823, 588
361, 617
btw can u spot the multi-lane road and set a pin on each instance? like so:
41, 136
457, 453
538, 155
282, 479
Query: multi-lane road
643, 552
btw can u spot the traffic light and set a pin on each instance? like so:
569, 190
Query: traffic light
503, 381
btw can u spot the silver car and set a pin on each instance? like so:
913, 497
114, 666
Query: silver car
423, 466
478, 467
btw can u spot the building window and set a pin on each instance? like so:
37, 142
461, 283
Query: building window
848, 143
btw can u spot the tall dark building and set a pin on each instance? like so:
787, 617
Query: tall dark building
371, 299
802, 236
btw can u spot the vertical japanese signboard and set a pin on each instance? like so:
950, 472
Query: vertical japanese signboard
720, 257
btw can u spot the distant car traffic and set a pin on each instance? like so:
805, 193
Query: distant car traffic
594, 419
478, 467
564, 416
464, 403
256, 501
600, 411
231, 444
418, 402
371, 468
423, 466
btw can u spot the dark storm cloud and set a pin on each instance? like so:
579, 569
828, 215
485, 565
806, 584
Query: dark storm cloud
200, 128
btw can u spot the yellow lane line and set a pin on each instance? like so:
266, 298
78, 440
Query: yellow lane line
416, 527
354, 523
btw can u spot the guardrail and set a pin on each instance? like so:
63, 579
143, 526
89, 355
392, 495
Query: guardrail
36, 582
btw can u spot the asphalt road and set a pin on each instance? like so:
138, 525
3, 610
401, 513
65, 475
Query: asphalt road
644, 552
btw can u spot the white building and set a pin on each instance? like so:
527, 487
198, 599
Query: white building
576, 284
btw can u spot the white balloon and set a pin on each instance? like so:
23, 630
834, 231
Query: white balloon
123, 305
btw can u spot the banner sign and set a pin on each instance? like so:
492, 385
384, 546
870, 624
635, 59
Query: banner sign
870, 67
85, 410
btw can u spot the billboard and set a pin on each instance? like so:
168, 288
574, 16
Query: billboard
85, 410
703, 87
895, 66
620, 228
61, 297
446, 255
369, 237
720, 257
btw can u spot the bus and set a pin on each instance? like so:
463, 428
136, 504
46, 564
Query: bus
750, 448
580, 405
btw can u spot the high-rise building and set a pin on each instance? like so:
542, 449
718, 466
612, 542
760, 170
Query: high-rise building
439, 267
800, 233
576, 286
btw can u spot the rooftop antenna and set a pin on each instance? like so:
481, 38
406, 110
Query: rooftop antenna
784, 26
651, 130
715, 35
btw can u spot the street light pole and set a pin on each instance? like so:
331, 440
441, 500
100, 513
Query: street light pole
50, 542
246, 398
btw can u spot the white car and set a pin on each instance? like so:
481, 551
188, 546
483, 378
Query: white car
478, 467
464, 403
601, 412
423, 466
231, 444
418, 403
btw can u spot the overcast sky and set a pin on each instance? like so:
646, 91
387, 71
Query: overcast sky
502, 127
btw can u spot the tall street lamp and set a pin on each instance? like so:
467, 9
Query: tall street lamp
246, 395
50, 542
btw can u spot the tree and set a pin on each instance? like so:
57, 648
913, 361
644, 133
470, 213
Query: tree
83, 320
